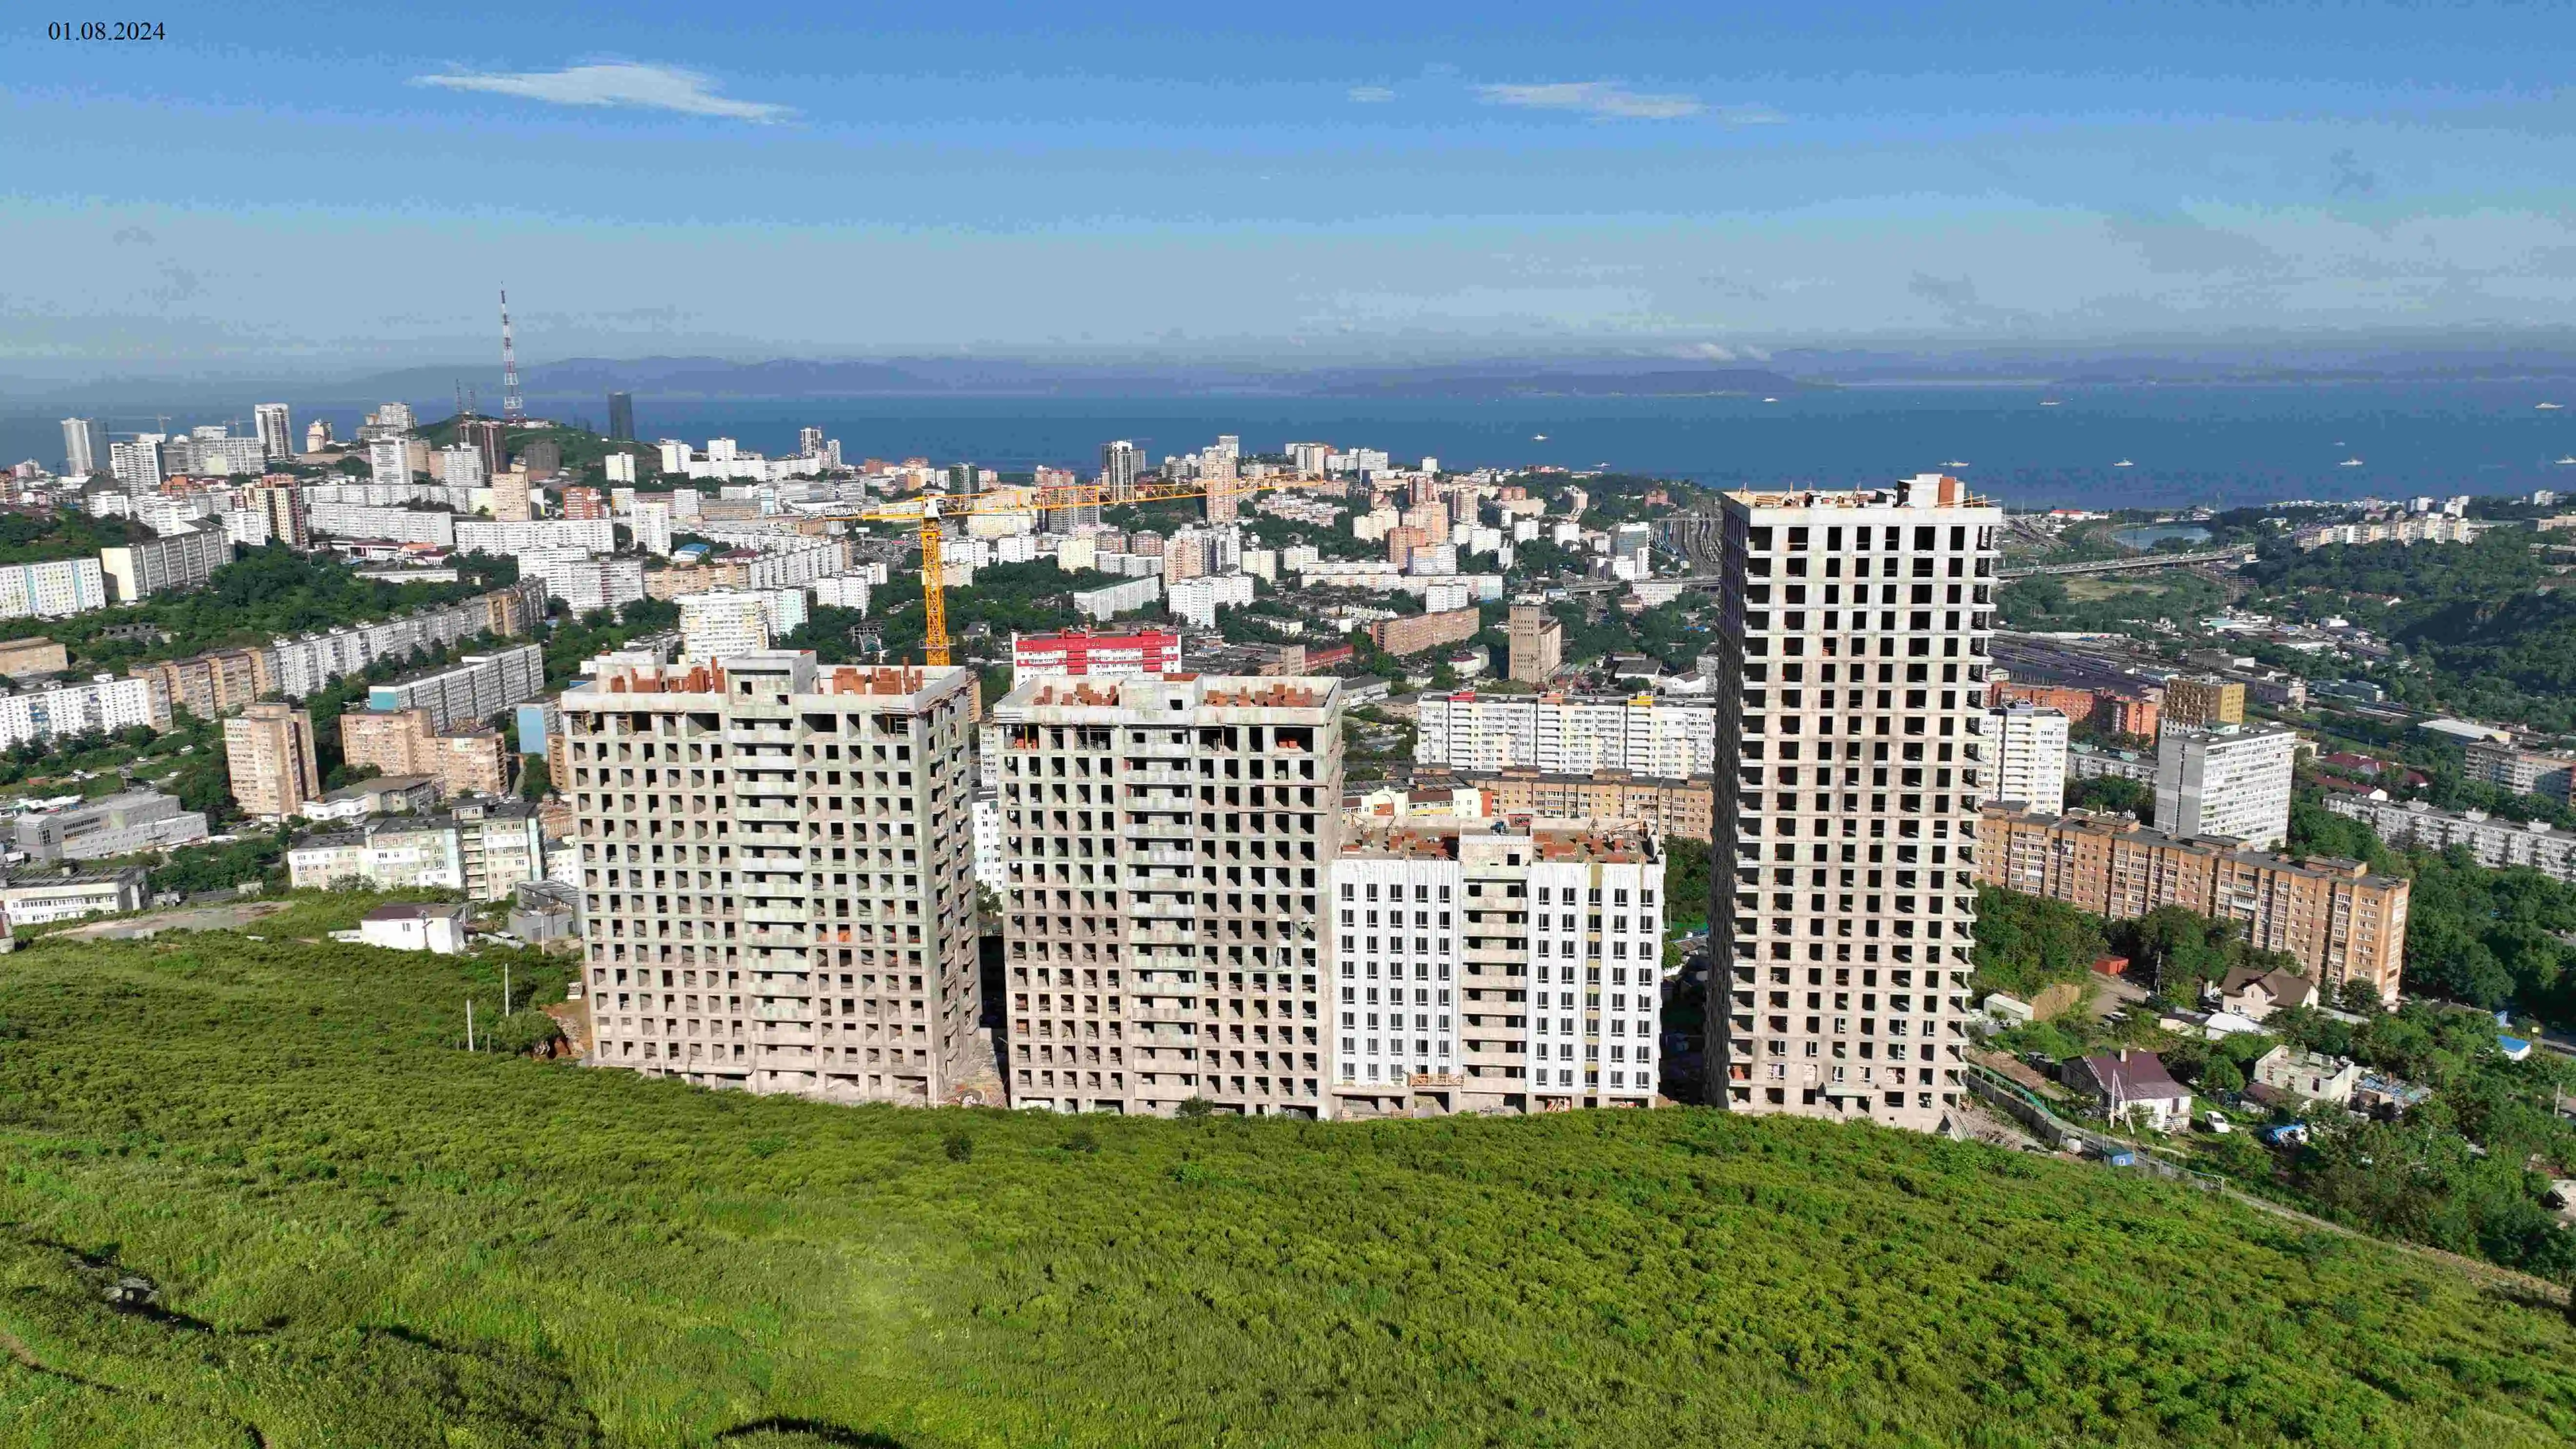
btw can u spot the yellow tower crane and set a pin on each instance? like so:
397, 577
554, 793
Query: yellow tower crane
926, 511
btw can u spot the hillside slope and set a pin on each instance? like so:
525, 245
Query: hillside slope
366, 1237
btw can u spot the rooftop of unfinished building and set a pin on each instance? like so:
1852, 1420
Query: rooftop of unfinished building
1219, 691
879, 680
1591, 846
1923, 490
1408, 842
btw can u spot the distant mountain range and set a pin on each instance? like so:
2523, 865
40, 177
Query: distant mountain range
586, 380
1689, 382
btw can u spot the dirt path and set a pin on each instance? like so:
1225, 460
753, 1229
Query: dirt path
231, 916
2522, 1284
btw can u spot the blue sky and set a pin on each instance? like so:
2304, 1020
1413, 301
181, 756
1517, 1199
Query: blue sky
301, 185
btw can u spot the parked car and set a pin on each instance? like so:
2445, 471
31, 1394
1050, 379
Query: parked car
2216, 1122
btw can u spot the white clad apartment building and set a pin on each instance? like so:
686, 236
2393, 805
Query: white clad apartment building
1396, 964
1856, 639
777, 866
1596, 969
2029, 751
1554, 947
1562, 734
2230, 780
1166, 841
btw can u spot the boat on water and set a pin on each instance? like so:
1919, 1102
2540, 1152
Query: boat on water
2124, 463
1538, 437
1770, 399
2547, 407
2349, 463
2050, 402
1954, 463
2567, 462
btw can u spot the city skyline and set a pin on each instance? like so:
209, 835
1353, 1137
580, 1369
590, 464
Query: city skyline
1346, 185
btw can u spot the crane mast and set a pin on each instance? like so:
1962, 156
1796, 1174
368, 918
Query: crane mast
934, 602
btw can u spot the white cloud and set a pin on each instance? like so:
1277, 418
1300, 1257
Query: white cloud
1599, 98
1611, 99
1370, 95
614, 83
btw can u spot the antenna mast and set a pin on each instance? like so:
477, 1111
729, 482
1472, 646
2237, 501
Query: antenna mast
512, 409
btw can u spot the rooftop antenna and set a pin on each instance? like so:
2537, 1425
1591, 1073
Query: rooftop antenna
460, 399
512, 409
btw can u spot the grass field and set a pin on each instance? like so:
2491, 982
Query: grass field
365, 1236
2093, 590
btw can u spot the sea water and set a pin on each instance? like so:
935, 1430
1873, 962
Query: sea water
2029, 446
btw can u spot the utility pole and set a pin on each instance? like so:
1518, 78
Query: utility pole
469, 1023
505, 988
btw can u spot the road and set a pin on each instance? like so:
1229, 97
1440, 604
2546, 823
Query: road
2523, 1285
2133, 564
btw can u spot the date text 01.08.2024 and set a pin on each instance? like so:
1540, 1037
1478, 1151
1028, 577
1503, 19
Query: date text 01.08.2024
104, 30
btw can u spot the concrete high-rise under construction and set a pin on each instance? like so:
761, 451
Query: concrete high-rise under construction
1167, 840
778, 866
1843, 905
1121, 463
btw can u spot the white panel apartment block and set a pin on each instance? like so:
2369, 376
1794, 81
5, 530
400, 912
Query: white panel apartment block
1560, 734
1395, 965
2028, 746
2230, 780
1596, 973
52, 590
1554, 948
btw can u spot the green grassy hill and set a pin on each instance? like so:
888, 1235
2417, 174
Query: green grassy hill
367, 1237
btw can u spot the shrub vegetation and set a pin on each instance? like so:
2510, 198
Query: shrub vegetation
363, 1235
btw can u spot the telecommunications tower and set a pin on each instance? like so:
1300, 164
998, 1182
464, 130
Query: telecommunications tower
512, 409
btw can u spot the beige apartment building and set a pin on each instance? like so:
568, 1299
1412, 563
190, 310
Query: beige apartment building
1416, 632
1666, 806
213, 684
1537, 643
1166, 840
2523, 771
1856, 653
2339, 922
778, 870
269, 750
35, 656
471, 761
2204, 701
